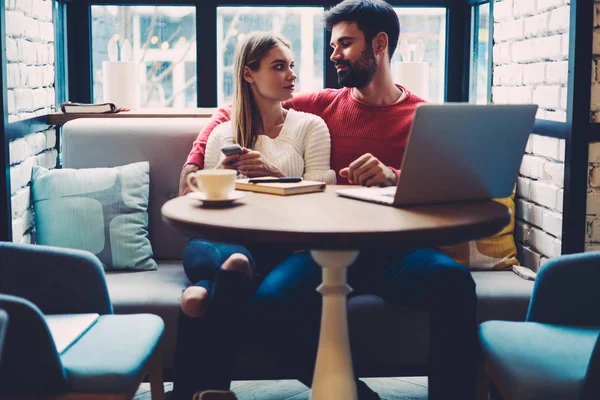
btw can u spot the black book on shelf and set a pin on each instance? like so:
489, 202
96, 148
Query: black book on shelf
85, 108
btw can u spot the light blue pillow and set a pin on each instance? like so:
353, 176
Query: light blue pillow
102, 210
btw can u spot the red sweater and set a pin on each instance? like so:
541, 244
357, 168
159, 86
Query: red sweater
356, 128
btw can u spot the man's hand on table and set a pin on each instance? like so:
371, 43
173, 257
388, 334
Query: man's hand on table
368, 171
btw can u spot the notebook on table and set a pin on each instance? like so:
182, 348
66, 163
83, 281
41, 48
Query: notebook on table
458, 152
281, 189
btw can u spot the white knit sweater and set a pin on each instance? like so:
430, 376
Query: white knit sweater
303, 147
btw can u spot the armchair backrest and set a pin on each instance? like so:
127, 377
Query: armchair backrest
30, 363
57, 280
566, 291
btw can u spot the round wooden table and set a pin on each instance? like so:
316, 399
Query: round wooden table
335, 228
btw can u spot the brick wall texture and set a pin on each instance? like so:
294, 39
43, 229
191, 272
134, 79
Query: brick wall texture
593, 198
30, 91
531, 49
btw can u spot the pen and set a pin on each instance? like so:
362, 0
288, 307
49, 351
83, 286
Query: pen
277, 180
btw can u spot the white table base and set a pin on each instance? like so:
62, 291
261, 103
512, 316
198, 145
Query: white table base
334, 376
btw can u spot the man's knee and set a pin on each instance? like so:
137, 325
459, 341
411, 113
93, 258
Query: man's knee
194, 301
238, 263
456, 285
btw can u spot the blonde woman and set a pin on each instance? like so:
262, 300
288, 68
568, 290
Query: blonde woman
275, 142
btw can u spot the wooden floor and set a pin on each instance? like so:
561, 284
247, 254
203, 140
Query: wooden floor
414, 388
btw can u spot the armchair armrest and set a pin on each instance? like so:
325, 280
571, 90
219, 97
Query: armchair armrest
566, 291
57, 280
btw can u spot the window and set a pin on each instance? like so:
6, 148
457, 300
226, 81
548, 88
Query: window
427, 78
479, 91
302, 26
163, 41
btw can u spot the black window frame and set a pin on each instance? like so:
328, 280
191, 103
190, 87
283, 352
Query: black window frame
5, 192
474, 38
78, 39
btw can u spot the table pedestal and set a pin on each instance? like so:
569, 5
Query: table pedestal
334, 377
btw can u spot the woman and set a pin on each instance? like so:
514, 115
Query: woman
275, 142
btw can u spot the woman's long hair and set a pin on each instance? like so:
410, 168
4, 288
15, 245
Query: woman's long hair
246, 119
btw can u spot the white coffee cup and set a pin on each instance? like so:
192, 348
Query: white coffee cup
217, 184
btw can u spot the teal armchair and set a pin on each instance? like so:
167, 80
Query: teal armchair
555, 354
63, 339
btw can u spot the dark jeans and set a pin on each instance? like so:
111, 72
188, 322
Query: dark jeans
207, 346
286, 310
289, 310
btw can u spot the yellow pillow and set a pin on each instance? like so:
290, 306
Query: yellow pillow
497, 252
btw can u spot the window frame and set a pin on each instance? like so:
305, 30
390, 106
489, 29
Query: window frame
5, 192
78, 37
474, 38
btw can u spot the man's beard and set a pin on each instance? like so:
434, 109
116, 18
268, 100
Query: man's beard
360, 73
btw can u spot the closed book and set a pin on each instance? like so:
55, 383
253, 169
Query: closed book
281, 189
66, 329
84, 108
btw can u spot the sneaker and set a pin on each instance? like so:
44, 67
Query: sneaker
215, 395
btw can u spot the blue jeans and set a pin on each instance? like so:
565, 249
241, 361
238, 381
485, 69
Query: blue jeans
289, 310
207, 347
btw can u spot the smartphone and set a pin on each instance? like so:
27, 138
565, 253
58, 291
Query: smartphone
232, 149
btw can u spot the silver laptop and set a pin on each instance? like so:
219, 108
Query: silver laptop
458, 152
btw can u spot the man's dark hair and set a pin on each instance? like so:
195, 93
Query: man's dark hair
371, 17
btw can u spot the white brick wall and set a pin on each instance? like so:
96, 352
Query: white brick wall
30, 93
531, 66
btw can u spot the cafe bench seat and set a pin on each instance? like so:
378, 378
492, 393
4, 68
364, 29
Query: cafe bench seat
388, 340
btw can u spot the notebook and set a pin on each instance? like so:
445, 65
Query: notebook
281, 189
458, 152
66, 329
85, 108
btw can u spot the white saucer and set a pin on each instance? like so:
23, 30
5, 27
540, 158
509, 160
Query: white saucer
233, 197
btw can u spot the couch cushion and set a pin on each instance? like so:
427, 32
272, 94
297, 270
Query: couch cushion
102, 210
502, 295
92, 142
387, 340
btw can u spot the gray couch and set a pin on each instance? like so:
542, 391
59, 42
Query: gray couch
390, 340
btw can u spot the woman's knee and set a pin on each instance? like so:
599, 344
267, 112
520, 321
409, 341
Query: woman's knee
239, 263
194, 301
201, 260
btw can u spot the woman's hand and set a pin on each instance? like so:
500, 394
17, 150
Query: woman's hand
228, 162
252, 164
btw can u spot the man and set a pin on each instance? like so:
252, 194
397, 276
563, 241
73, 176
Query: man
369, 122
